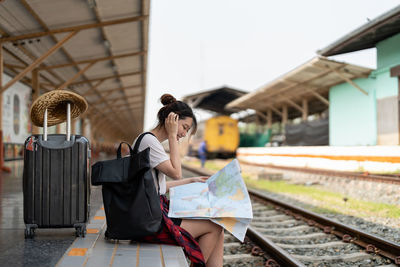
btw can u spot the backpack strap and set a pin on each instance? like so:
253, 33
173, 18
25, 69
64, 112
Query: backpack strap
135, 151
139, 139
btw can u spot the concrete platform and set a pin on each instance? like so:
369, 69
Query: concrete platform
95, 251
60, 247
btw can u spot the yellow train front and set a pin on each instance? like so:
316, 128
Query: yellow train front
221, 134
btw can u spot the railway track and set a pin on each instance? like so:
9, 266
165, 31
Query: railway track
287, 235
389, 179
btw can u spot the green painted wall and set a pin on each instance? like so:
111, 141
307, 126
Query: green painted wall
388, 56
388, 52
385, 85
352, 114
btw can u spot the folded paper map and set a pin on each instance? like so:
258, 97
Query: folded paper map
223, 199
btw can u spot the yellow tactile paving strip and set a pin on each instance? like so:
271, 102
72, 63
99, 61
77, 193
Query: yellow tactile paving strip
95, 251
77, 252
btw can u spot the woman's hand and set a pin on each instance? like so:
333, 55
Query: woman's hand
171, 125
200, 179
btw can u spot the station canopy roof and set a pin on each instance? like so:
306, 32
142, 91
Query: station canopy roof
214, 100
97, 48
310, 81
366, 36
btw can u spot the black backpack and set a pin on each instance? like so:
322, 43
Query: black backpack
131, 201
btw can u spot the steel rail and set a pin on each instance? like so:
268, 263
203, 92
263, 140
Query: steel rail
370, 242
279, 255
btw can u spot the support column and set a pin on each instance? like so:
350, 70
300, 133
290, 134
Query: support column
36, 94
3, 168
395, 72
83, 126
58, 128
73, 126
305, 109
284, 115
269, 118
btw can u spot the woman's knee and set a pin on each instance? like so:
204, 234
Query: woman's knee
216, 228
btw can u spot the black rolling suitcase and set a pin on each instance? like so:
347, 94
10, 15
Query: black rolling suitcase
56, 185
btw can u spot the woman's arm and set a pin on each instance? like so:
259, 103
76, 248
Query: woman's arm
200, 179
172, 167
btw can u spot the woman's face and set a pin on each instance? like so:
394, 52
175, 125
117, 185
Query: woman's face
184, 126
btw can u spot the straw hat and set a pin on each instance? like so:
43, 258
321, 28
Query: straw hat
56, 103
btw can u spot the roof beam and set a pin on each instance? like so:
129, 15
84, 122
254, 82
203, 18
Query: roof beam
113, 61
113, 90
29, 54
275, 110
262, 115
125, 109
106, 78
71, 29
38, 61
76, 76
350, 82
13, 66
341, 75
102, 99
320, 97
281, 91
46, 29
93, 88
92, 60
294, 104
128, 97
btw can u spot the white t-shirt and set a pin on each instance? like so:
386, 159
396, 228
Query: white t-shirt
157, 156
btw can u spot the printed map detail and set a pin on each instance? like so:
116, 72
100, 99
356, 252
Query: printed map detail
223, 199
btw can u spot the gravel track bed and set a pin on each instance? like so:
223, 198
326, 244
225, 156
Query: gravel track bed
332, 251
310, 245
237, 249
310, 241
379, 229
373, 261
282, 225
289, 233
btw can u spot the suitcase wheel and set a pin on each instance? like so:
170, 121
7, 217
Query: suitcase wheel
80, 231
29, 232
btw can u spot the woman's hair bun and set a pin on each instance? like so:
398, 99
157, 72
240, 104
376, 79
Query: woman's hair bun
167, 99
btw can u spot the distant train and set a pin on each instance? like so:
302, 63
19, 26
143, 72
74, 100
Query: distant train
221, 134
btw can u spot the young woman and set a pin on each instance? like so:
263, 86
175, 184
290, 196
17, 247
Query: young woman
202, 240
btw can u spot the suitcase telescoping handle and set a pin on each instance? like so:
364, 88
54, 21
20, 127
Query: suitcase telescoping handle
68, 123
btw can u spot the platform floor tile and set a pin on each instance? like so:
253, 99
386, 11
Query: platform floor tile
95, 251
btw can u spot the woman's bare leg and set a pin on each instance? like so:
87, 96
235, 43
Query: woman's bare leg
210, 237
217, 255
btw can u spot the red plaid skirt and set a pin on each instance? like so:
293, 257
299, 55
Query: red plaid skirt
172, 234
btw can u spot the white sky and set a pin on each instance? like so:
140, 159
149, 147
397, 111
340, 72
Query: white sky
205, 44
